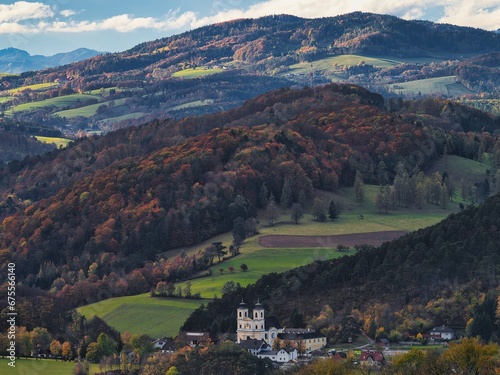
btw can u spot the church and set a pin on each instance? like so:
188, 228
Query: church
258, 327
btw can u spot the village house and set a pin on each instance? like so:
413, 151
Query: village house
284, 355
254, 346
193, 338
442, 333
371, 358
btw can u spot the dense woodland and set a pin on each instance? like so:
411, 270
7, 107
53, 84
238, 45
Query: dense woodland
84, 218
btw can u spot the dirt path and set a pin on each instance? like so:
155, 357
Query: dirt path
372, 238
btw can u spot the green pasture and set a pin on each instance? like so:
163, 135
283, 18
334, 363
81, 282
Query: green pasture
196, 72
87, 111
36, 367
59, 142
260, 261
330, 63
444, 85
113, 120
142, 314
196, 103
4, 99
59, 102
30, 366
35, 87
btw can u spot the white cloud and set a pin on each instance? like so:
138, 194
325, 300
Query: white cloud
19, 17
23, 10
68, 12
484, 14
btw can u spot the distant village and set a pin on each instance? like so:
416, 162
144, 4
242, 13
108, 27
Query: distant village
286, 347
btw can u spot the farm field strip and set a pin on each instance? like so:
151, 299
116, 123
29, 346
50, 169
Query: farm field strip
57, 141
60, 102
35, 87
143, 314
446, 85
195, 73
86, 111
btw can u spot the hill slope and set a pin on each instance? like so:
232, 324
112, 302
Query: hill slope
437, 275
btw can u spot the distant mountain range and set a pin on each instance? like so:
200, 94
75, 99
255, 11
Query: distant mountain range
13, 60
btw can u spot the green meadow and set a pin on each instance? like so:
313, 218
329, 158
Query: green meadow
196, 103
59, 142
87, 111
35, 87
330, 63
59, 102
445, 85
196, 72
4, 99
32, 366
143, 314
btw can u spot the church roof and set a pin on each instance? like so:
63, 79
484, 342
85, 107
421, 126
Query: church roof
253, 344
243, 305
259, 306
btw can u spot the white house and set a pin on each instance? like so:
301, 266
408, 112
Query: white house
282, 356
442, 333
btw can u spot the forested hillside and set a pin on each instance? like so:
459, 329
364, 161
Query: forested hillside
105, 206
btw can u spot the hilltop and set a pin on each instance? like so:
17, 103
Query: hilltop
218, 67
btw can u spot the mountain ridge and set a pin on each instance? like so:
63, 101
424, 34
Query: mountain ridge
15, 61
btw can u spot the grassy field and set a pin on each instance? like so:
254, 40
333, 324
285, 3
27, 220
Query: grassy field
445, 85
60, 102
59, 142
143, 314
350, 60
36, 87
4, 99
37, 367
87, 111
41, 367
195, 72
196, 103
113, 120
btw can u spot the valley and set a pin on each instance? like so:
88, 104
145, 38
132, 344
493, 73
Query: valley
339, 174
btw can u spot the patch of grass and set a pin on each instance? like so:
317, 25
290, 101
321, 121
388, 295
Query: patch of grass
196, 72
142, 314
113, 120
196, 103
38, 367
59, 142
330, 63
59, 102
87, 111
260, 261
444, 85
5, 99
35, 87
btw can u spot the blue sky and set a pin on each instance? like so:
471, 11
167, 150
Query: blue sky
49, 27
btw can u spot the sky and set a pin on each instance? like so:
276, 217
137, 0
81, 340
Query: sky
50, 27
